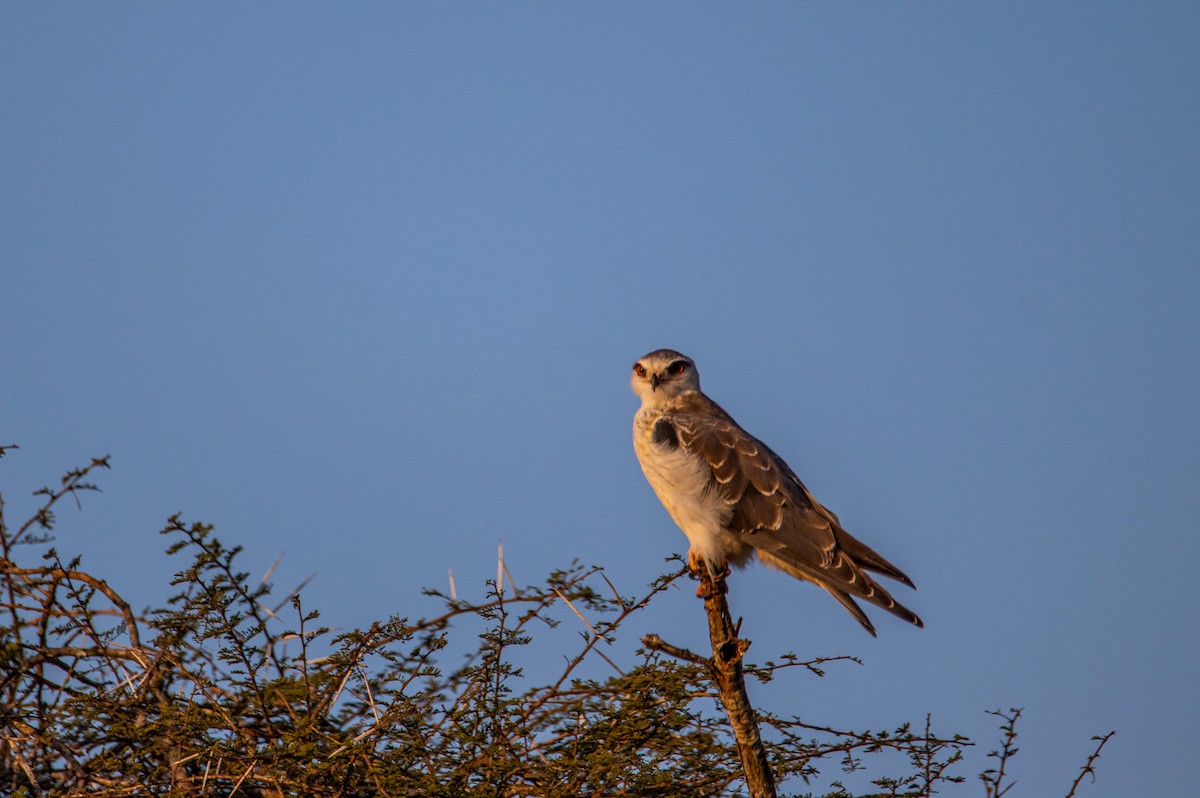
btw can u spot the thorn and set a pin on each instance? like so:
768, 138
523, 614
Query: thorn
500, 569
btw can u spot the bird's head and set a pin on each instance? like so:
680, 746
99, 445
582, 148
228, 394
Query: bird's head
663, 375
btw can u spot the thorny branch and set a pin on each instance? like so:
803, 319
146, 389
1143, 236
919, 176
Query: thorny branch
1089, 767
210, 695
725, 670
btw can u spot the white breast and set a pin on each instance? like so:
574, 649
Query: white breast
681, 479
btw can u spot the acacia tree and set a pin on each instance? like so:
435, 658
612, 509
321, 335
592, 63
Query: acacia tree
227, 690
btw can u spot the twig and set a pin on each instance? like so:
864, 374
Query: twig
656, 643
595, 634
234, 789
1090, 765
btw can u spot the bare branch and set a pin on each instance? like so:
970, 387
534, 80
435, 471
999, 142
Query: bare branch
1089, 767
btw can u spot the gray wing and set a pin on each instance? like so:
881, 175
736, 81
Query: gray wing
775, 513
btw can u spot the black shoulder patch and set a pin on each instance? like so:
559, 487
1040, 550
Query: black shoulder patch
664, 433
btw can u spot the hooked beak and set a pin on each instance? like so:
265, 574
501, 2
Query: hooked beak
655, 381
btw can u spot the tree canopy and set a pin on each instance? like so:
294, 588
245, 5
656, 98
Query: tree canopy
230, 690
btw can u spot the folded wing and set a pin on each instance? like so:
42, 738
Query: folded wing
775, 513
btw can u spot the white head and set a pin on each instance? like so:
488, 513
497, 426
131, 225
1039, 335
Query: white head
662, 375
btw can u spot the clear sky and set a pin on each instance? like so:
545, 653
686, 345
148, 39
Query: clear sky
362, 283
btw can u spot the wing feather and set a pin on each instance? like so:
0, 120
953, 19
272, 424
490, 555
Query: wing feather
775, 513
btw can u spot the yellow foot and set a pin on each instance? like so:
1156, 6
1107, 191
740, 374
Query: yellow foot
715, 582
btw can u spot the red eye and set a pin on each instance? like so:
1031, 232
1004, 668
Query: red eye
678, 367
639, 369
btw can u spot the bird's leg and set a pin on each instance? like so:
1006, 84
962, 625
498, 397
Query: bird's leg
695, 572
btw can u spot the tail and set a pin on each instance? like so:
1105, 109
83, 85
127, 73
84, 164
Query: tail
860, 553
857, 584
880, 598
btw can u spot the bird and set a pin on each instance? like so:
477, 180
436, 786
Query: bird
736, 499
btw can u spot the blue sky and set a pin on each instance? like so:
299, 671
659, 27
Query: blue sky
362, 284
